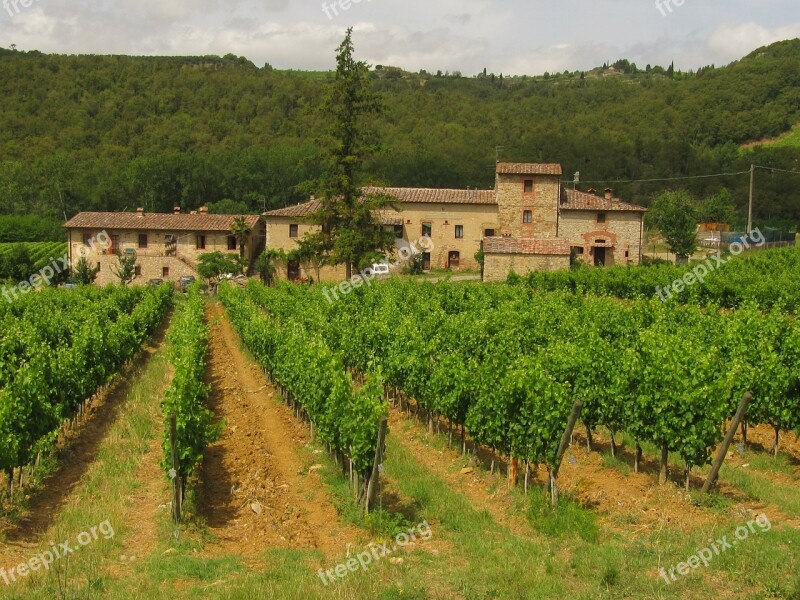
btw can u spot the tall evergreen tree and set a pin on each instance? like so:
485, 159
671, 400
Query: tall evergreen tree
350, 233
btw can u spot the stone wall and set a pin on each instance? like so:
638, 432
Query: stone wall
498, 266
474, 218
149, 267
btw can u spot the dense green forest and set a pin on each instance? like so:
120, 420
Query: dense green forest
116, 132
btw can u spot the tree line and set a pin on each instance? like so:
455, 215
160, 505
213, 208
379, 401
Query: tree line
116, 132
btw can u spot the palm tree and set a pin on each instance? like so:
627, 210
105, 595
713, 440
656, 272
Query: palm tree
267, 264
241, 229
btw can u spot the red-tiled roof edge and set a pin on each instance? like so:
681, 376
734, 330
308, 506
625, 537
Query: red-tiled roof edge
577, 200
408, 195
156, 221
506, 168
296, 210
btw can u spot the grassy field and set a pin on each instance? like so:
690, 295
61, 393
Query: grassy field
790, 139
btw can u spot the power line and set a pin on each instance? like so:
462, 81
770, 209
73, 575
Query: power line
776, 169
670, 178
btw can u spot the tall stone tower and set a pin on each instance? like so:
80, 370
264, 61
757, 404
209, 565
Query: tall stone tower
528, 197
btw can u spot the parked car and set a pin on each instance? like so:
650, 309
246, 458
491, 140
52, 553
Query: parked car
380, 269
155, 282
186, 281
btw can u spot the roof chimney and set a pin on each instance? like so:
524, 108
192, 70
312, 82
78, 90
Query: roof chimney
176, 210
140, 212
203, 210
592, 191
609, 193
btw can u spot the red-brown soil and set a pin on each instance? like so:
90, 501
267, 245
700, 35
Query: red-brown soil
255, 492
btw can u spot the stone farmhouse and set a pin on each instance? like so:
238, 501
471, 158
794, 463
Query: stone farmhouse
167, 245
528, 222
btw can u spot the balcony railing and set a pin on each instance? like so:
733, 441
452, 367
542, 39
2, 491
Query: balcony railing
168, 251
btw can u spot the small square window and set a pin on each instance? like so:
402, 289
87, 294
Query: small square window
231, 242
87, 239
527, 216
601, 217
528, 186
201, 242
142, 240
459, 232
164, 272
137, 271
294, 230
488, 233
427, 229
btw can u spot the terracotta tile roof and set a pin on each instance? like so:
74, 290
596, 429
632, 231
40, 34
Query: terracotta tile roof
406, 195
156, 221
501, 245
575, 200
386, 216
298, 210
434, 196
529, 169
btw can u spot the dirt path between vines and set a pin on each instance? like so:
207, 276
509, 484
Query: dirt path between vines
255, 492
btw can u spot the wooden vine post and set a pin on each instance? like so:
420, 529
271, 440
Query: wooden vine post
373, 486
662, 476
726, 444
177, 487
513, 472
562, 448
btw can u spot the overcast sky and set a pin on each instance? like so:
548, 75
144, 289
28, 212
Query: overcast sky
513, 36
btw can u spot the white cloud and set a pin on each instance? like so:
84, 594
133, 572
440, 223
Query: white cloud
731, 42
515, 37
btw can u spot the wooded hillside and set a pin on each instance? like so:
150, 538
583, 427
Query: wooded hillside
116, 132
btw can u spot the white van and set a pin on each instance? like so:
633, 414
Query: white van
380, 269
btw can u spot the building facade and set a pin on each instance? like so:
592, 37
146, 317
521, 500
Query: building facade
166, 245
528, 222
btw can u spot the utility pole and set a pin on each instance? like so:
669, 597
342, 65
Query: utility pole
752, 192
